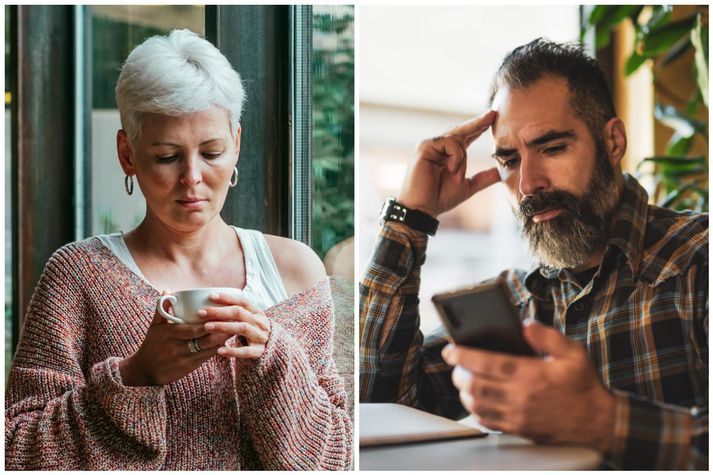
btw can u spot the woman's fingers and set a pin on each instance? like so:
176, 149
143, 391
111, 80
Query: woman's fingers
253, 352
235, 313
186, 331
212, 340
228, 298
251, 332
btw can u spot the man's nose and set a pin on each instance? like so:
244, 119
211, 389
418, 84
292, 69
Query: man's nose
191, 173
533, 178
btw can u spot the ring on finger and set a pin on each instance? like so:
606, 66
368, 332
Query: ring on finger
193, 346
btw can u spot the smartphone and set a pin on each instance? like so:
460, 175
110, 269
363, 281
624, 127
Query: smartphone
483, 317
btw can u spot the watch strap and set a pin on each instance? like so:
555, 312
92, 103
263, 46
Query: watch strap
413, 218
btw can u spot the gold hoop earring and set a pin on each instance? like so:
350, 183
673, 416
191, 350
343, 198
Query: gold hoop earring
129, 184
233, 182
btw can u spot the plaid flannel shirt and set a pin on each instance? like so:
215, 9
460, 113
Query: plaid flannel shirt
643, 318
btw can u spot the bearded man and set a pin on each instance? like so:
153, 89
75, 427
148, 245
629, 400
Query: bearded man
618, 302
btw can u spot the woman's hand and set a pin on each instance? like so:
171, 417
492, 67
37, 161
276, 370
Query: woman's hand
240, 318
165, 356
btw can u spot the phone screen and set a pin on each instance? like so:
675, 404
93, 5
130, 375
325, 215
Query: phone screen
483, 317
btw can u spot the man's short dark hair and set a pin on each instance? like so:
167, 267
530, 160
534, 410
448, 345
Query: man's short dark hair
590, 96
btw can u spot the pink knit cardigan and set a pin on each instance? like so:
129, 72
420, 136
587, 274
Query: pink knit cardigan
66, 407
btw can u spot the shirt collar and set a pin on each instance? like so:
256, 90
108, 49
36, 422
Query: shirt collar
626, 233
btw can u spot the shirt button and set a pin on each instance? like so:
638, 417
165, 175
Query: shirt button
578, 306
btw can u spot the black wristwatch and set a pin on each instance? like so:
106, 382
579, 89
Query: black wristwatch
413, 218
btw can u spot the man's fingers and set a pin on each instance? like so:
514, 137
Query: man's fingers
473, 128
549, 340
482, 180
488, 364
445, 150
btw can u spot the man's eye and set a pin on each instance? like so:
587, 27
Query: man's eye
511, 163
554, 150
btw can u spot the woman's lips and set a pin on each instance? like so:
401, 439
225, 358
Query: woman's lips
546, 215
193, 203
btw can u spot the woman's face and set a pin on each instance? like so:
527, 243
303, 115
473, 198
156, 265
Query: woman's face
183, 166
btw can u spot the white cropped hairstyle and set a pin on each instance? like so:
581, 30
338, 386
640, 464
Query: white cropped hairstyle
176, 75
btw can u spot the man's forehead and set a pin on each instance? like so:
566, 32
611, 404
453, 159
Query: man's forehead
527, 113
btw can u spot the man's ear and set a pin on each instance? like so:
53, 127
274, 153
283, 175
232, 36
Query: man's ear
125, 153
614, 135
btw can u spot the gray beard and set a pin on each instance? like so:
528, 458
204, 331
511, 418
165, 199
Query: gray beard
570, 239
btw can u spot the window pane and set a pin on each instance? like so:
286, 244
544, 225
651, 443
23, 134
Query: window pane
333, 133
116, 30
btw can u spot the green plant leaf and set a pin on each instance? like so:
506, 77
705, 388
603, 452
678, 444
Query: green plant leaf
693, 103
699, 38
680, 193
605, 17
679, 145
659, 39
676, 51
602, 37
634, 17
615, 14
684, 125
633, 63
597, 13
666, 159
660, 16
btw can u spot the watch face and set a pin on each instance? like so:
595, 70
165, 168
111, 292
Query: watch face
385, 210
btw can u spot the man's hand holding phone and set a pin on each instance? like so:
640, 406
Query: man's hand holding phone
545, 399
436, 179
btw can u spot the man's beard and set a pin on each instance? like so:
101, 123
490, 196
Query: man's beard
569, 239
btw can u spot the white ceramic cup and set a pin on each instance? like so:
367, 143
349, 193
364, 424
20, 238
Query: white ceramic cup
187, 303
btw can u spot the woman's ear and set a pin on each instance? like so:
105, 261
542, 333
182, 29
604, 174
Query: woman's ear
615, 141
125, 153
237, 143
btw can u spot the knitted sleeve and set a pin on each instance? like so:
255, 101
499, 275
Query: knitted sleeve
59, 416
292, 399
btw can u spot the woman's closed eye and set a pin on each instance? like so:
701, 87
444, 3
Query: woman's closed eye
166, 158
212, 155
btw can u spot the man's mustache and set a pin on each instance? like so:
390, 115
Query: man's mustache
532, 205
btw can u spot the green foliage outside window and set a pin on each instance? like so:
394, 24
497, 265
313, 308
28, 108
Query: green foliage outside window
333, 129
112, 41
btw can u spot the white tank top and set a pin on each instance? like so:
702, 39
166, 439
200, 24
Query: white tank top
263, 285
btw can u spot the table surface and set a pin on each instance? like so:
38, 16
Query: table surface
494, 452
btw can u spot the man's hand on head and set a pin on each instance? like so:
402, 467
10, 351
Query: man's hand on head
435, 181
555, 399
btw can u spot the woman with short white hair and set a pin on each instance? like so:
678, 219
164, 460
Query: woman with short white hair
102, 381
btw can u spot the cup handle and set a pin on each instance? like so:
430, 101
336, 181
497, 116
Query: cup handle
164, 313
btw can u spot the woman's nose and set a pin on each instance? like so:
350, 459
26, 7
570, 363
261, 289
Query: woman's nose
191, 173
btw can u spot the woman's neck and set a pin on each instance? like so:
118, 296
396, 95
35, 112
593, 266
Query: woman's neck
152, 237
